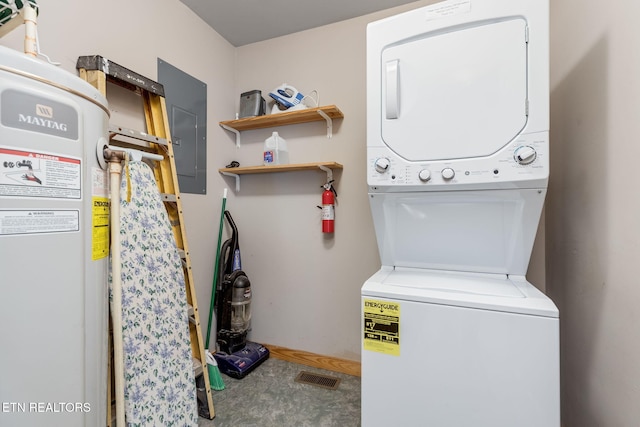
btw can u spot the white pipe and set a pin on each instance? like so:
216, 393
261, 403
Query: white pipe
137, 154
115, 170
30, 16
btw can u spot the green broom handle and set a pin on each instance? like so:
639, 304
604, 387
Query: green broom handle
215, 269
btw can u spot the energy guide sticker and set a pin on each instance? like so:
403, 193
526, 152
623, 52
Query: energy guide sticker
382, 327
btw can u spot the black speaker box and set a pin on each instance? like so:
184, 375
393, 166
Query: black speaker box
252, 104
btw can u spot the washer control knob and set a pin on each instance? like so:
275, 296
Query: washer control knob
382, 164
525, 155
424, 175
448, 173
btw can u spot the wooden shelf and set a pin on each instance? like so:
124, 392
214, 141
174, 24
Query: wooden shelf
248, 170
286, 118
245, 170
327, 113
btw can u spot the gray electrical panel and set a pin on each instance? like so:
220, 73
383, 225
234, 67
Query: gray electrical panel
186, 99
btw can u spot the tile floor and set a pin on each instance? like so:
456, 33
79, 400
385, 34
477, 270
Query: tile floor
270, 397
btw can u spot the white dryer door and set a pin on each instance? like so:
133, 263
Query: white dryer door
457, 93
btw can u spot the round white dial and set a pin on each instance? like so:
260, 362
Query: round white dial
448, 173
424, 175
382, 164
524, 155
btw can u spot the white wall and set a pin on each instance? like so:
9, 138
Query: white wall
306, 284
593, 208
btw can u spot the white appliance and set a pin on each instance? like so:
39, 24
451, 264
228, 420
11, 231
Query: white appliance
54, 246
457, 170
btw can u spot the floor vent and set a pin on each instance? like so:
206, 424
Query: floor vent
318, 380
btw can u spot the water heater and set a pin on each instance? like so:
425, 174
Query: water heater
54, 246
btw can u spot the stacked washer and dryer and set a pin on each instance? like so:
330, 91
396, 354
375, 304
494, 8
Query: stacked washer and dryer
457, 172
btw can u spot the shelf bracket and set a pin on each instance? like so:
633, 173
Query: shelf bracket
329, 172
329, 123
236, 176
237, 132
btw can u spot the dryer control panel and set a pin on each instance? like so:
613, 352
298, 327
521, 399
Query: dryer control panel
522, 163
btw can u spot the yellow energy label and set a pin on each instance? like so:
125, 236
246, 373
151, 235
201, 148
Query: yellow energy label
382, 327
100, 223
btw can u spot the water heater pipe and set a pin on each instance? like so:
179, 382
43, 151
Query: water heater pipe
114, 156
115, 170
30, 15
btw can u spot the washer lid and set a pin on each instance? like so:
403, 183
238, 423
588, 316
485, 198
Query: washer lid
487, 231
478, 291
488, 285
457, 93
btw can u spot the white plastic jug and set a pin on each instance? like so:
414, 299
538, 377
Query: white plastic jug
275, 150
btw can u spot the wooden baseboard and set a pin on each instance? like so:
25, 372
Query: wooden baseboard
328, 363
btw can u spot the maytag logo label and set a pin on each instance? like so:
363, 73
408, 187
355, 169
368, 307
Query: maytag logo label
44, 123
44, 111
38, 114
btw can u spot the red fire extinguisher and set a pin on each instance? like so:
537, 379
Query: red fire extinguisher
328, 207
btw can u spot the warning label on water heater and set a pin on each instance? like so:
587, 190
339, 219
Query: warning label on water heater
13, 222
382, 327
36, 174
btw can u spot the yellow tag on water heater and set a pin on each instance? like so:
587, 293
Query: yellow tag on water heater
382, 326
100, 228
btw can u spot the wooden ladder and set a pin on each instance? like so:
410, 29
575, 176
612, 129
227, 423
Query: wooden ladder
157, 139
